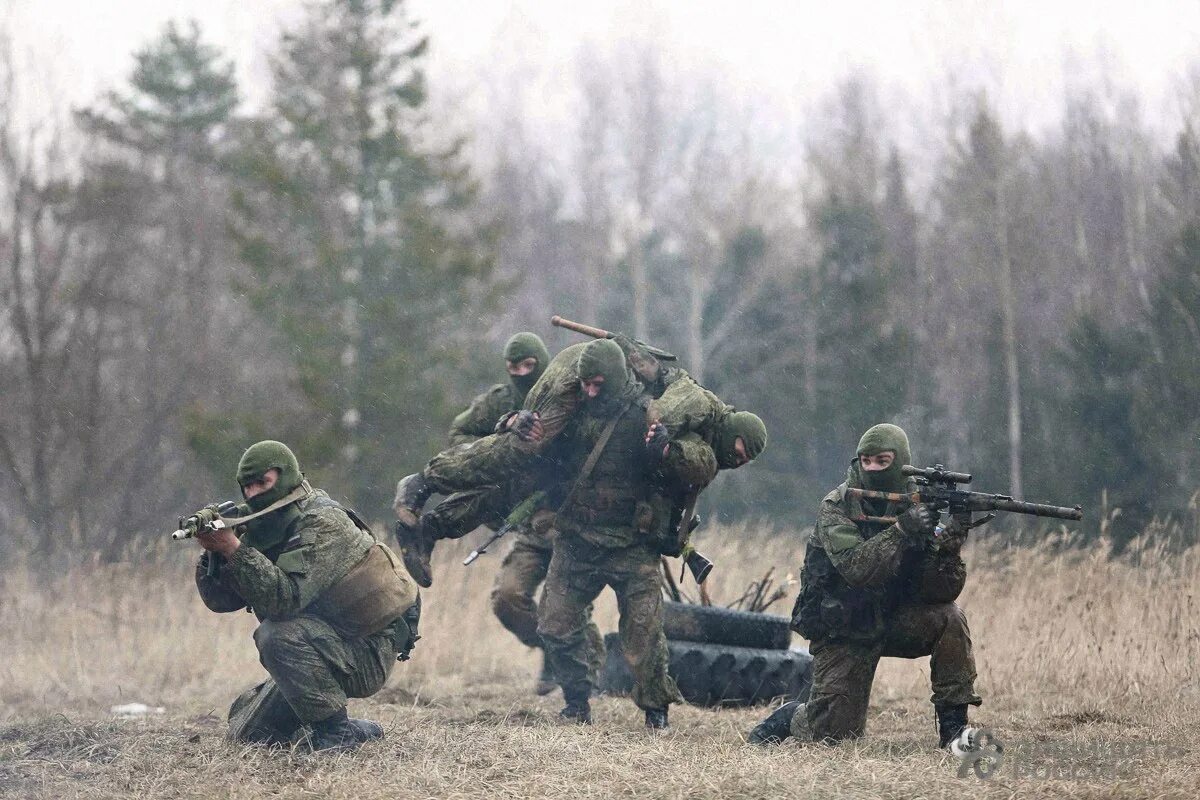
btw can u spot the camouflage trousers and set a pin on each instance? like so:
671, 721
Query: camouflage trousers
523, 571
462, 512
578, 573
315, 669
843, 671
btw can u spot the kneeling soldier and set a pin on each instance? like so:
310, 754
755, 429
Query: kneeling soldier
871, 589
336, 606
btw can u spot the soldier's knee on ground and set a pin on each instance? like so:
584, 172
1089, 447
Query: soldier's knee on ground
832, 718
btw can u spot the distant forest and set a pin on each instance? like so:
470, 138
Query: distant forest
181, 276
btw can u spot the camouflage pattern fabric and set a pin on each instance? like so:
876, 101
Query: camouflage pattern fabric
578, 573
513, 596
262, 715
844, 670
856, 573
479, 418
687, 407
870, 590
316, 669
598, 545
490, 461
313, 665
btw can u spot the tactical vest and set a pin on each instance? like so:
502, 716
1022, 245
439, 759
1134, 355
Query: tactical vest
608, 496
373, 594
827, 606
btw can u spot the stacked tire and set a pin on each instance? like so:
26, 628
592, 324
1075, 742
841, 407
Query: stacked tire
722, 657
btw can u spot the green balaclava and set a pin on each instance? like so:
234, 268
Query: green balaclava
520, 347
604, 357
740, 424
261, 457
875, 441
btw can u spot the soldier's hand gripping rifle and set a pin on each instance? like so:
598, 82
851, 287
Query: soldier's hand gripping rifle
516, 518
204, 522
938, 488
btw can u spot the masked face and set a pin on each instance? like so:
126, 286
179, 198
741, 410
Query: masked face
261, 459
739, 439
525, 357
882, 451
603, 374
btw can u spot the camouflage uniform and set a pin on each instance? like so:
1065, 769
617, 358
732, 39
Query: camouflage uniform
306, 572
601, 542
493, 459
479, 418
871, 590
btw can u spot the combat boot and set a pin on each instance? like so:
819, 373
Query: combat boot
336, 733
951, 721
545, 681
416, 550
411, 493
656, 720
578, 709
778, 726
365, 730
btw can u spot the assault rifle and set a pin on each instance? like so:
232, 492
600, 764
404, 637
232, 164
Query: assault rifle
191, 526
938, 488
515, 519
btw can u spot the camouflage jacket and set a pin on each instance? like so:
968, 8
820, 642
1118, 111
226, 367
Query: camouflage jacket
479, 419
319, 547
857, 573
687, 407
682, 405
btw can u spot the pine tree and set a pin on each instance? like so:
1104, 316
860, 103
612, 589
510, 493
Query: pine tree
351, 230
154, 148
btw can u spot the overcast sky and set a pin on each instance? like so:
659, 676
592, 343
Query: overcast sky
782, 54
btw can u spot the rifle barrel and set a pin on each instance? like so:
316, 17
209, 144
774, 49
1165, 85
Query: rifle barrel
990, 503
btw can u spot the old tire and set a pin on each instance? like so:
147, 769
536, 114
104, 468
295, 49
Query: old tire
689, 622
720, 675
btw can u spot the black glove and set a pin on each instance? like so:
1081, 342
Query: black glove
503, 423
657, 440
954, 535
918, 520
524, 425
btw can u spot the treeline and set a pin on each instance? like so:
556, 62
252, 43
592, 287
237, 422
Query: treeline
182, 275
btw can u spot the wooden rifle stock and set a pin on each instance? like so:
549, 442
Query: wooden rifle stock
579, 327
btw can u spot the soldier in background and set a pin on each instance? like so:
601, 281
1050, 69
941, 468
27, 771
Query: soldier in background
871, 589
524, 568
335, 606
525, 358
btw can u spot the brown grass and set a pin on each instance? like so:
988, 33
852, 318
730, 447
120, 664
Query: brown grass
1075, 648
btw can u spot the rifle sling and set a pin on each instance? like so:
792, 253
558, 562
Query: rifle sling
299, 493
597, 451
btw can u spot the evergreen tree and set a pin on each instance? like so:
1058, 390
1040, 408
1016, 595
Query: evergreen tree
350, 226
154, 149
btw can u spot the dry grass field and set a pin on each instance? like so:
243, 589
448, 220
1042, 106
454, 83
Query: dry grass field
1088, 667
